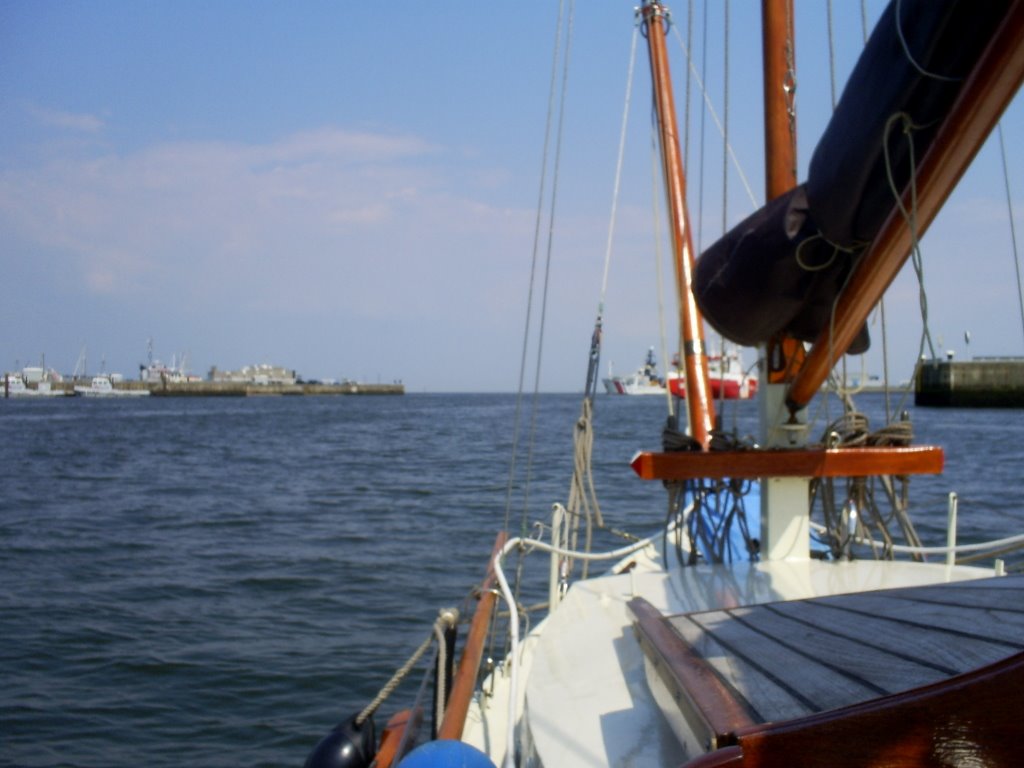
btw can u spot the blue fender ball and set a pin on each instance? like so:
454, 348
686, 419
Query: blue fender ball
446, 753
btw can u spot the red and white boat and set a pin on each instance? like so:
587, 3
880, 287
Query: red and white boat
644, 381
728, 378
726, 375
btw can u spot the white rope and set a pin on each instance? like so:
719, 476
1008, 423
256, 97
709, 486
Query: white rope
446, 619
658, 274
718, 123
1009, 211
506, 592
538, 219
958, 549
831, 55
618, 168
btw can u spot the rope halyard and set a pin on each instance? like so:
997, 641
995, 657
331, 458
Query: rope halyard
910, 215
447, 617
1009, 213
582, 504
710, 109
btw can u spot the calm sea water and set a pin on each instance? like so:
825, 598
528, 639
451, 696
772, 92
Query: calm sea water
217, 582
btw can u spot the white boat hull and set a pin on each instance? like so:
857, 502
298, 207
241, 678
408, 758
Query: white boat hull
584, 659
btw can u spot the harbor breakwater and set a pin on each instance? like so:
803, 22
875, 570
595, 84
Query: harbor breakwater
980, 383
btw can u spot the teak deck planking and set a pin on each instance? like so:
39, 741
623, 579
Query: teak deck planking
787, 660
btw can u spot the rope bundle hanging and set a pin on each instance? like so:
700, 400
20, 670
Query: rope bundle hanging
870, 509
582, 506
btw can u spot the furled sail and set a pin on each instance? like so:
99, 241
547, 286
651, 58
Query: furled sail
781, 269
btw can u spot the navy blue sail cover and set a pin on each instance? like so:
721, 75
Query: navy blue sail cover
781, 269
772, 273
915, 62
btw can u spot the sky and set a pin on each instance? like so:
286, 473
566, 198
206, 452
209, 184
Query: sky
351, 190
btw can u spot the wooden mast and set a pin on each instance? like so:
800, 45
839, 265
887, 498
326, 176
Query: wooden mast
784, 354
785, 511
779, 94
691, 324
984, 96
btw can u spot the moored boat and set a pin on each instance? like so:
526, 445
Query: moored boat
101, 386
14, 386
826, 637
728, 378
644, 381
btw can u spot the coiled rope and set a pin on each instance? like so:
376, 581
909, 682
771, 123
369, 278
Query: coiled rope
850, 506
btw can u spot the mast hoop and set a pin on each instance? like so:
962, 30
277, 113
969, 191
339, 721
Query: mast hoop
695, 347
654, 10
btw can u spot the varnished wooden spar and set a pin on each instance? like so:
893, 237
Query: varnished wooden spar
785, 354
779, 92
699, 402
781, 462
469, 665
984, 96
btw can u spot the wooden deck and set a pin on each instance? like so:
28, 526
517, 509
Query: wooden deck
788, 660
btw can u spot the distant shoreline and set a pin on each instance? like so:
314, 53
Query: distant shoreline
239, 389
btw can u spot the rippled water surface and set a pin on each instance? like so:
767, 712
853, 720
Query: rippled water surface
216, 582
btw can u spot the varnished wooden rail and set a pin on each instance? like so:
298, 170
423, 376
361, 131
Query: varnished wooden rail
806, 462
465, 677
708, 705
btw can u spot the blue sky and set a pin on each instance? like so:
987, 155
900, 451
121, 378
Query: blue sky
350, 189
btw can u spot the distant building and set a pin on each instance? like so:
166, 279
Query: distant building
262, 374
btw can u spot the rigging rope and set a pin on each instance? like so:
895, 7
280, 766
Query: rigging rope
910, 56
689, 83
593, 374
725, 121
542, 189
1009, 212
658, 275
618, 165
911, 218
831, 55
703, 120
558, 90
710, 110
881, 303
582, 504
